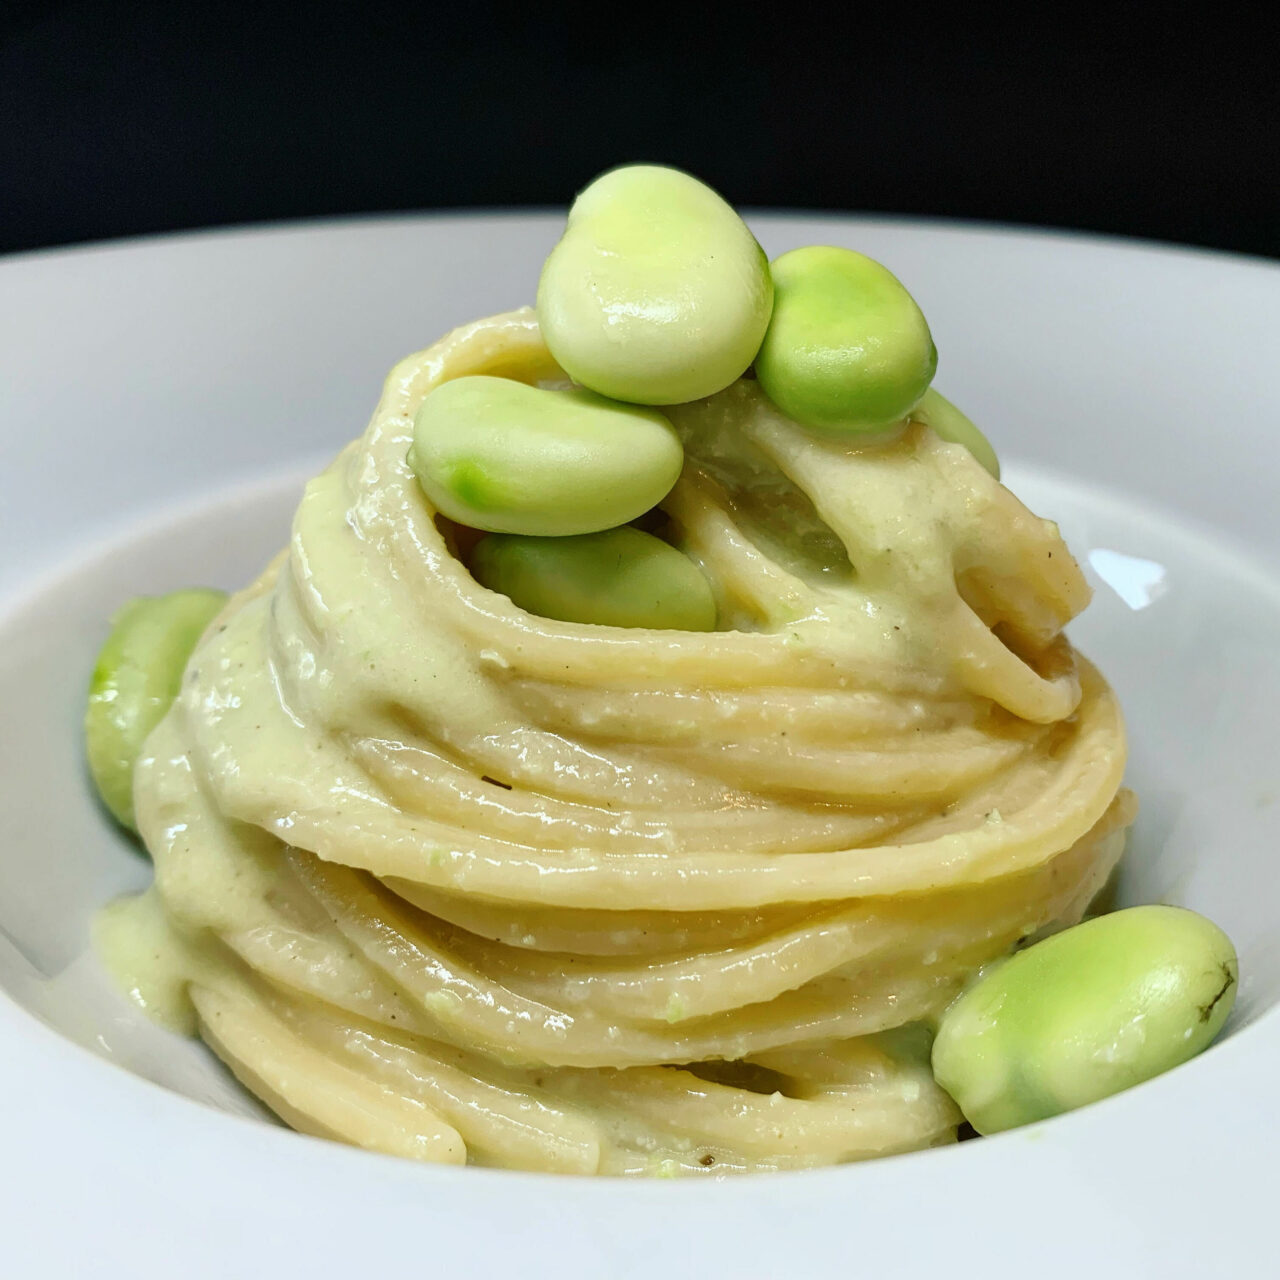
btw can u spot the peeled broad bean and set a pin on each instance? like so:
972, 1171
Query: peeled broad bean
136, 678
1084, 1014
949, 424
619, 578
847, 349
657, 293
506, 457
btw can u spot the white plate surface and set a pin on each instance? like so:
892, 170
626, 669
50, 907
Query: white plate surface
160, 403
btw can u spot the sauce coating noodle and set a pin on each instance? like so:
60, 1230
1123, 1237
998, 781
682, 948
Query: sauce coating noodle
440, 878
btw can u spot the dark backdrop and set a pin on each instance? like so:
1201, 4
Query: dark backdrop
119, 118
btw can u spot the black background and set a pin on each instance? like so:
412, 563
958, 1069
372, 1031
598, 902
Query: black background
118, 118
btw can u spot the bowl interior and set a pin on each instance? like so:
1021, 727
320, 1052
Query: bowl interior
1184, 626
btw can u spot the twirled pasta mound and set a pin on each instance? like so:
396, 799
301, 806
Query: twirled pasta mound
448, 880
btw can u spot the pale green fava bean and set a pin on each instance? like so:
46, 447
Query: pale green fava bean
1084, 1014
135, 680
848, 349
657, 293
618, 578
506, 457
950, 424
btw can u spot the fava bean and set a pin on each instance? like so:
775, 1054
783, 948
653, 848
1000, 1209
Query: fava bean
1084, 1014
657, 293
618, 578
949, 424
505, 457
847, 349
136, 678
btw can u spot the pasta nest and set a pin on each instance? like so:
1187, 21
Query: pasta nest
444, 879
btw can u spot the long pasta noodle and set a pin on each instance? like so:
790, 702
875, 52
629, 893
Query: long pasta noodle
443, 879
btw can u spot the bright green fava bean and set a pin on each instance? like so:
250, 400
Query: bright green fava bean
619, 578
950, 424
657, 293
1084, 1014
136, 678
847, 349
505, 457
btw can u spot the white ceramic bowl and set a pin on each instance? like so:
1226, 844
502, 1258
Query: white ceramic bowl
160, 404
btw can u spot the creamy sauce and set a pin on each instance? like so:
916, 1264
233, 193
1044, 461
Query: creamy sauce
147, 958
441, 878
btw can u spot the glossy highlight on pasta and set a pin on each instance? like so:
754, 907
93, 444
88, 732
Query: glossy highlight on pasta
440, 878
